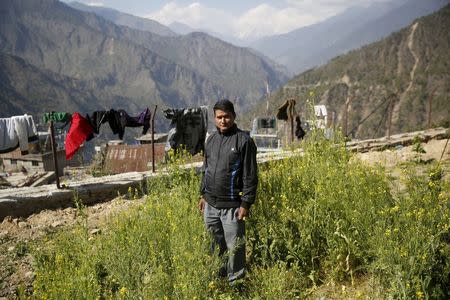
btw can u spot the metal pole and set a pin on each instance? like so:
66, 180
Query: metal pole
153, 138
55, 158
267, 95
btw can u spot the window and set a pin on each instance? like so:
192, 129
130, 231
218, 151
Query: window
14, 161
35, 163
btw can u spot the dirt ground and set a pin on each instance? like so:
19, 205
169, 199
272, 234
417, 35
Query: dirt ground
16, 234
16, 270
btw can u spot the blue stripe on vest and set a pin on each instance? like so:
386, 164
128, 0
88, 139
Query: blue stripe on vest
234, 169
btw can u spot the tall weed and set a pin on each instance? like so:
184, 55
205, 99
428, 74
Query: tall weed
321, 218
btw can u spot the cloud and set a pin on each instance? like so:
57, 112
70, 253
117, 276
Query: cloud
195, 15
95, 4
267, 20
259, 21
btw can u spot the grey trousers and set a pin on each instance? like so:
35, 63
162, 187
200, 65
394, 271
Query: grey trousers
229, 235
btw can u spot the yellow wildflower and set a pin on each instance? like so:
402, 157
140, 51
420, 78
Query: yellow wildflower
212, 285
123, 290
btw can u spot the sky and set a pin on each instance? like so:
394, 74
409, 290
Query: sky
243, 19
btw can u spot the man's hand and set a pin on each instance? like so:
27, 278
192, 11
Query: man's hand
242, 213
201, 204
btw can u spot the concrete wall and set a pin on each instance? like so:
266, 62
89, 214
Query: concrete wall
49, 165
14, 165
14, 161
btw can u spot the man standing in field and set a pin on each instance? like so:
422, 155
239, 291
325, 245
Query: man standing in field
228, 187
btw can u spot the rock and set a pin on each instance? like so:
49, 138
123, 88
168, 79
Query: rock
23, 225
57, 224
7, 219
11, 248
95, 231
29, 275
3, 234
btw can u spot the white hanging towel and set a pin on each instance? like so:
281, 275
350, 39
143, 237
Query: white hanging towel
9, 140
17, 131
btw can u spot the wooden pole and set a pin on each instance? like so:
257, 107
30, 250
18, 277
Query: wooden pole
391, 108
153, 138
291, 120
345, 119
334, 120
55, 158
430, 102
290, 113
429, 111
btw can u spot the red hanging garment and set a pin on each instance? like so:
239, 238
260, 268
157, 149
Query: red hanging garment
79, 131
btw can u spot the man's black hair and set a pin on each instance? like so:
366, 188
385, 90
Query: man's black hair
225, 105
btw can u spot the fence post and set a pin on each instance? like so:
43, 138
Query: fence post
55, 158
430, 102
390, 112
153, 137
345, 118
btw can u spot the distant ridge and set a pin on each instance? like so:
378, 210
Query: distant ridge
315, 45
410, 66
124, 19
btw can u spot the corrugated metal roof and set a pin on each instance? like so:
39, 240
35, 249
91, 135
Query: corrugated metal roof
132, 158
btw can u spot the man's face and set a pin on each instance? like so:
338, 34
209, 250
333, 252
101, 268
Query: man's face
224, 120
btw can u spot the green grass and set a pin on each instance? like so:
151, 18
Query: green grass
320, 219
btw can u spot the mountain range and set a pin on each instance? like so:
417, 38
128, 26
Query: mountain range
124, 19
408, 70
316, 44
56, 57
174, 28
84, 56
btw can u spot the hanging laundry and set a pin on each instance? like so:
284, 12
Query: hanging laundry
97, 118
299, 132
143, 119
61, 117
188, 129
287, 110
9, 139
79, 131
120, 119
16, 132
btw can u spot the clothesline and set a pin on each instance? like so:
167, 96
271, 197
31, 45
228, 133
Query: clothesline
84, 128
20, 130
188, 128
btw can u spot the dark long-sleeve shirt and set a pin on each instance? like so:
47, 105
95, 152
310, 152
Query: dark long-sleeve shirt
230, 170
